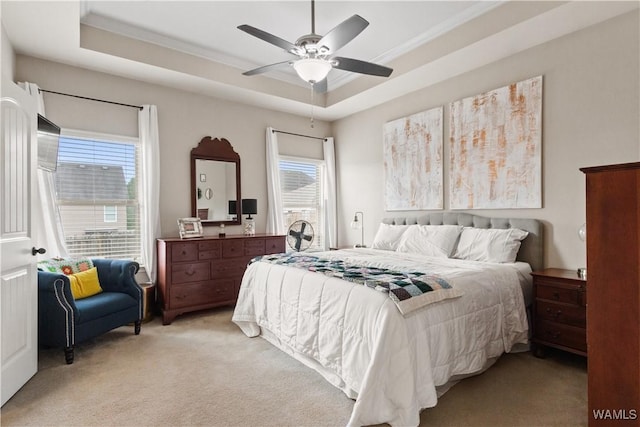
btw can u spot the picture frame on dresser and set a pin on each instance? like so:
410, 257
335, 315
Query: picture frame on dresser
190, 227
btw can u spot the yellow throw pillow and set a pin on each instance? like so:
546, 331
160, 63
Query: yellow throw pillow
85, 284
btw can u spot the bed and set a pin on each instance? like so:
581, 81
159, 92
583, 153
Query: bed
342, 313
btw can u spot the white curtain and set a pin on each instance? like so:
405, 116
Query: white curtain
150, 186
330, 204
275, 220
48, 226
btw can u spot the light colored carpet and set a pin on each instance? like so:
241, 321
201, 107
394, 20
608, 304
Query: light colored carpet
201, 370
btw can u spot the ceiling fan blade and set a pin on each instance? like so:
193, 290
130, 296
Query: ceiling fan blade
362, 67
342, 34
266, 68
269, 38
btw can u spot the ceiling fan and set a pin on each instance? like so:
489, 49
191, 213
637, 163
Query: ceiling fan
315, 52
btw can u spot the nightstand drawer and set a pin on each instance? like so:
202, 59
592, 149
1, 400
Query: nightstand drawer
569, 296
562, 313
560, 334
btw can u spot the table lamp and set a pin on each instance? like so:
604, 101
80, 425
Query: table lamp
249, 207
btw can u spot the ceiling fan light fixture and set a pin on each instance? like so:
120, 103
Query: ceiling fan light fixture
312, 70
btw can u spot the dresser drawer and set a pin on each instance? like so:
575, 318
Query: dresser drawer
228, 268
200, 293
232, 248
567, 295
184, 252
190, 272
254, 247
562, 313
560, 334
209, 250
274, 245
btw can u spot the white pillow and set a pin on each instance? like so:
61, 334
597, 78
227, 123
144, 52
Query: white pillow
430, 240
489, 244
388, 236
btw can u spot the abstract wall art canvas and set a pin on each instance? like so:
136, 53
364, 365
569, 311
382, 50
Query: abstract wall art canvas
495, 152
413, 161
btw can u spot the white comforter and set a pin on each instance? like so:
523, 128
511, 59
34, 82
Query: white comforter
360, 342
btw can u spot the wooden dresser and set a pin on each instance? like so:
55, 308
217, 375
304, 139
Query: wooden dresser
613, 305
195, 274
559, 311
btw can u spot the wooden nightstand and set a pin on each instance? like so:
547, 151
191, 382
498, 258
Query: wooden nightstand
559, 311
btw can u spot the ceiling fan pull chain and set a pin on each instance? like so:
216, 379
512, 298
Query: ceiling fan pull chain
312, 103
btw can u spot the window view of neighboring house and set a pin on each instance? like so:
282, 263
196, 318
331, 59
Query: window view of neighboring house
97, 195
301, 182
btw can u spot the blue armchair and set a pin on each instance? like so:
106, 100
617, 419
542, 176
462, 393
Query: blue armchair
65, 322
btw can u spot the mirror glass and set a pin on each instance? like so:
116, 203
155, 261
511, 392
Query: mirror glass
215, 182
216, 186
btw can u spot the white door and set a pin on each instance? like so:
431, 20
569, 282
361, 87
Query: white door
18, 277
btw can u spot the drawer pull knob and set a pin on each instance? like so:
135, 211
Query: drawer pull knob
556, 314
189, 272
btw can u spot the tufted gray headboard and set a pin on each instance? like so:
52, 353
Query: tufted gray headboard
531, 250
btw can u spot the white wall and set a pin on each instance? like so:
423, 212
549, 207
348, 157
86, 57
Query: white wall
184, 119
7, 55
590, 117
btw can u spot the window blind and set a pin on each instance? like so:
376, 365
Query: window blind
301, 183
97, 193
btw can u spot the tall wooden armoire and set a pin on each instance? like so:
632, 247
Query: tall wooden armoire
613, 301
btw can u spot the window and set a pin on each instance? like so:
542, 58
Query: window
97, 193
110, 214
302, 183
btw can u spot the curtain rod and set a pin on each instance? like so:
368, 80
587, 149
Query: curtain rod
91, 99
298, 134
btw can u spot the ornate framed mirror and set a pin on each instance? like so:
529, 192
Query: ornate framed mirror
215, 182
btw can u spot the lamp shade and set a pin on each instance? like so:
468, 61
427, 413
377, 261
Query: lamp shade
356, 224
312, 70
232, 207
249, 206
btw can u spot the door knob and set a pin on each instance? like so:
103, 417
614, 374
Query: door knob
37, 251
